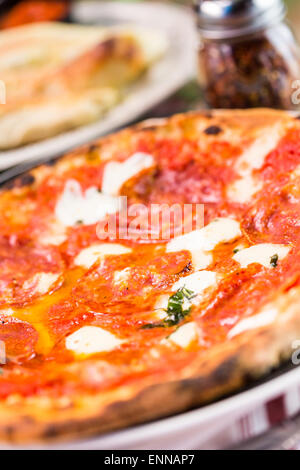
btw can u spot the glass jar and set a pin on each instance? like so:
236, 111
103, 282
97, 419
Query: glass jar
248, 55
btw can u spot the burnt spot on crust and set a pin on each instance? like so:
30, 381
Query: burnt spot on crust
297, 117
92, 152
25, 180
51, 162
223, 375
151, 128
150, 125
93, 147
213, 130
224, 371
50, 432
9, 184
9, 431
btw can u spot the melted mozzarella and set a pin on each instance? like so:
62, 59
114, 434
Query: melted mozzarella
73, 206
200, 242
122, 277
90, 255
242, 190
261, 254
162, 301
41, 283
117, 173
206, 239
160, 307
197, 282
264, 318
200, 259
184, 335
219, 231
91, 340
7, 312
255, 155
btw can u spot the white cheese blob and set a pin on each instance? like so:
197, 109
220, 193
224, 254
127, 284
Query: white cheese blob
242, 190
75, 207
265, 317
160, 307
254, 156
197, 282
261, 254
200, 242
91, 340
41, 283
184, 335
201, 259
87, 257
221, 230
7, 312
117, 173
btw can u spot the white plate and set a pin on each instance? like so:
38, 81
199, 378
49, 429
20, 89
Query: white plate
164, 78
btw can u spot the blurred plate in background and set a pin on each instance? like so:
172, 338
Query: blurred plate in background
166, 76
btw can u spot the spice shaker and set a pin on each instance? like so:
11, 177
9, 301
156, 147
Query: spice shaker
248, 55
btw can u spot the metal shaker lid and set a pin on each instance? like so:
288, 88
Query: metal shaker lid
218, 19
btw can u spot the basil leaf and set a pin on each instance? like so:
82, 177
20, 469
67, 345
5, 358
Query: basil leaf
175, 311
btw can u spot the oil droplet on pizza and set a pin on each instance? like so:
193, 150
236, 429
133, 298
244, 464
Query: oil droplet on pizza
35, 313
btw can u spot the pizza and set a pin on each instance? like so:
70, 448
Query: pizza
59, 76
104, 328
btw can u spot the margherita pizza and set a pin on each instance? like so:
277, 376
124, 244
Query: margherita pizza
103, 328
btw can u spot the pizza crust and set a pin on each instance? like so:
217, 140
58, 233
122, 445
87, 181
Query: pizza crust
224, 369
